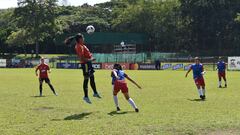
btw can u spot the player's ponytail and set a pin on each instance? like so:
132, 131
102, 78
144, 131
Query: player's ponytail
69, 40
76, 37
117, 66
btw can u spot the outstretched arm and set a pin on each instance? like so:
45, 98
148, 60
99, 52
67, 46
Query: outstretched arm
133, 82
203, 71
69, 40
36, 71
188, 72
49, 70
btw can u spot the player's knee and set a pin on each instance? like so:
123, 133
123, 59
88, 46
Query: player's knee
115, 93
126, 96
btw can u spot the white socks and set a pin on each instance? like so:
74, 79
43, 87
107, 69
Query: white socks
200, 92
115, 98
131, 102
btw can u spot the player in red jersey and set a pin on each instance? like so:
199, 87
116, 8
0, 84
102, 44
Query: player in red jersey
86, 59
43, 76
119, 83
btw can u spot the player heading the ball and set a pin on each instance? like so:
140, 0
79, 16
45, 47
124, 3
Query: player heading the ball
86, 59
198, 72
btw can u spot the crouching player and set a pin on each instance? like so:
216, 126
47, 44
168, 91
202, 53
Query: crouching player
221, 67
43, 76
198, 73
119, 83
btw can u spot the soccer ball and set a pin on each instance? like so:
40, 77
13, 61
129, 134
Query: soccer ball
90, 29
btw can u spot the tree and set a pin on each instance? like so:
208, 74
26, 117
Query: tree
76, 19
211, 23
6, 26
36, 17
19, 38
197, 26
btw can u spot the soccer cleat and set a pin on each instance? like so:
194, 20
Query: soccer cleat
136, 110
55, 94
87, 100
204, 97
40, 95
97, 95
220, 86
118, 109
225, 85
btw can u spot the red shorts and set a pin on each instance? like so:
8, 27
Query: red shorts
199, 81
120, 85
221, 74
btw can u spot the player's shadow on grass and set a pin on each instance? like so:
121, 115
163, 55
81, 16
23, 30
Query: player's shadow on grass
222, 87
77, 116
196, 100
112, 113
38, 96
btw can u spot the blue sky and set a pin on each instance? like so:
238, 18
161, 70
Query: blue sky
13, 3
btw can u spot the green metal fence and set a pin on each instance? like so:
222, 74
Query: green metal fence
140, 57
134, 58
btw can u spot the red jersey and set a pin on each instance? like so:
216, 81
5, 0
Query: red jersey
43, 68
82, 52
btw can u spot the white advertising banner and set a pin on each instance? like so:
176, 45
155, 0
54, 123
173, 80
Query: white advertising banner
234, 63
3, 62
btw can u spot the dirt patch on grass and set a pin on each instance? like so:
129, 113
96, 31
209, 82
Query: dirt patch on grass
43, 108
225, 132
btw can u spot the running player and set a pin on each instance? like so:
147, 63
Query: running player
119, 83
221, 67
43, 76
198, 73
86, 59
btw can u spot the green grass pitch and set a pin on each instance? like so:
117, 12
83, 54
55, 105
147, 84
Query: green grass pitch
166, 104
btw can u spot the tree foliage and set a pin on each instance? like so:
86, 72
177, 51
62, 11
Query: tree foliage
209, 27
35, 19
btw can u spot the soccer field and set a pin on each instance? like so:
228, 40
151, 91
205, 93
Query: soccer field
167, 105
